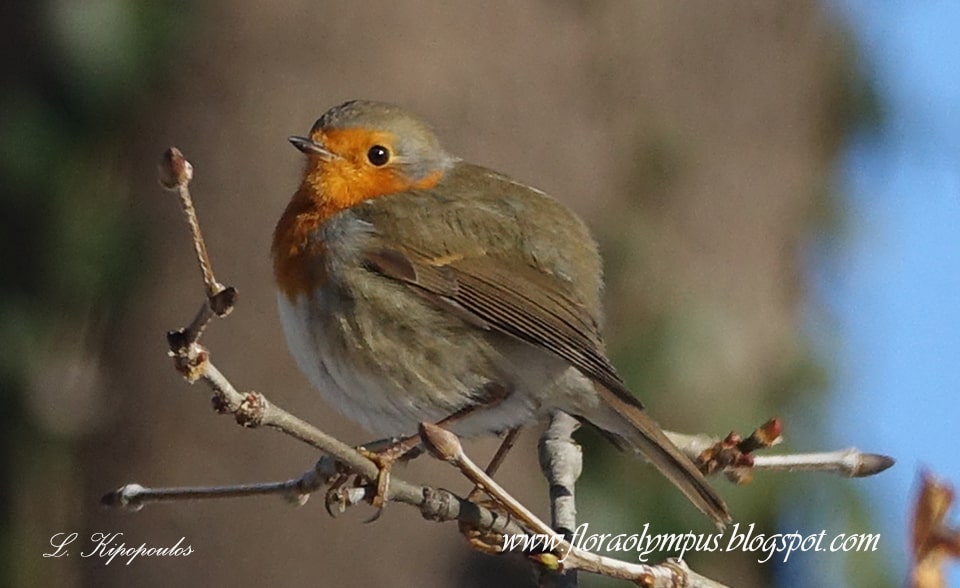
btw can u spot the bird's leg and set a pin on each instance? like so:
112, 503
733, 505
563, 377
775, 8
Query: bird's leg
492, 395
402, 450
495, 462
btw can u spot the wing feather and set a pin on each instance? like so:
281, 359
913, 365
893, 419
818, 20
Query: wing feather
525, 303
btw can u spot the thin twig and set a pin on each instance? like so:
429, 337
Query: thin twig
135, 496
846, 462
175, 174
446, 446
732, 456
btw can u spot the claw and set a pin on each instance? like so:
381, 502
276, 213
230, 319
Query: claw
338, 499
340, 495
375, 517
379, 499
385, 458
336, 496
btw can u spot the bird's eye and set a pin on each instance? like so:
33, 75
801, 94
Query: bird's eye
378, 155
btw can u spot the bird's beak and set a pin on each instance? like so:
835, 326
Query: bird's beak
311, 147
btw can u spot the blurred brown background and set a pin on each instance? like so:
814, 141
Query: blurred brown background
696, 138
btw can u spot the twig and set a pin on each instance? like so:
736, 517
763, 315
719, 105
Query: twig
446, 446
846, 462
134, 496
497, 460
175, 174
733, 455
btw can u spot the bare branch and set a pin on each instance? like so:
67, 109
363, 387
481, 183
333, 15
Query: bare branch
846, 462
446, 446
734, 456
175, 174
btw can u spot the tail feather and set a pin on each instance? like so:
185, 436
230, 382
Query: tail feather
630, 424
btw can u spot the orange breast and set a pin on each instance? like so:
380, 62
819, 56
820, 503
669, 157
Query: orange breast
297, 260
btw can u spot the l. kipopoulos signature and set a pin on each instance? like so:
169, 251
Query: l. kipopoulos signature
111, 545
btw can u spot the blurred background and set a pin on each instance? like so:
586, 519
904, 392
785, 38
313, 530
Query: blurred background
774, 186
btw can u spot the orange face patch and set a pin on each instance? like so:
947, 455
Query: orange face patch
350, 178
328, 187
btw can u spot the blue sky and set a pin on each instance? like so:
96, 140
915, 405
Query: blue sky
892, 284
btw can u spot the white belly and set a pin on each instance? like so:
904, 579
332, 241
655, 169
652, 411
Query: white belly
358, 396
372, 400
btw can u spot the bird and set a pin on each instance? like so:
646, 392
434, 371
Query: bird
415, 287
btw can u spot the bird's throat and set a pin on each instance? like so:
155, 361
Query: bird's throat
328, 188
297, 252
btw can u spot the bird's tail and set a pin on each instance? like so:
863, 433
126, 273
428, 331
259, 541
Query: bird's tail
629, 424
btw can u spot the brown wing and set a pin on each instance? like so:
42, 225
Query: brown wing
522, 302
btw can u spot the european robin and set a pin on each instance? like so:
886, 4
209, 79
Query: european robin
414, 287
